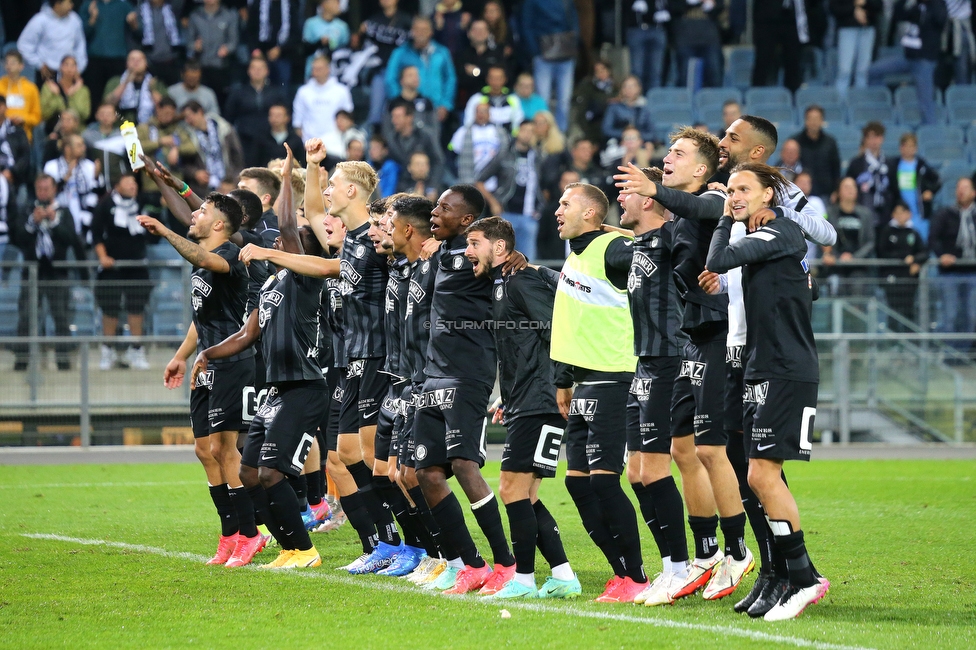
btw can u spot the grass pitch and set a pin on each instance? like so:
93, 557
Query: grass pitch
112, 556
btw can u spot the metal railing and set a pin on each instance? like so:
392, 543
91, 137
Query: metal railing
912, 381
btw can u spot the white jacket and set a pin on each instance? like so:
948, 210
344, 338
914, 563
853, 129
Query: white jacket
47, 39
315, 109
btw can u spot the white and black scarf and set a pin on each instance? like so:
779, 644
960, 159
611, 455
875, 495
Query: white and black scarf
142, 101
124, 214
264, 21
6, 153
209, 142
169, 24
966, 239
4, 199
43, 244
878, 169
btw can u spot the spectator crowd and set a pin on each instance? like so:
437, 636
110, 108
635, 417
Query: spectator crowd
509, 95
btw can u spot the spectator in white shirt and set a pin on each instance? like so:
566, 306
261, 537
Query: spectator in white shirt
317, 103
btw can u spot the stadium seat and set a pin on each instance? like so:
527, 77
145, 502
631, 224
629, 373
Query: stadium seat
934, 133
738, 72
962, 95
658, 97
168, 322
85, 319
768, 95
8, 310
708, 103
870, 95
892, 136
780, 114
667, 114
951, 172
817, 95
848, 141
860, 114
910, 115
962, 114
937, 152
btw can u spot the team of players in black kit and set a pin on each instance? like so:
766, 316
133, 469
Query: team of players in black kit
379, 330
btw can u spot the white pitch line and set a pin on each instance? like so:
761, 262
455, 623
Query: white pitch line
532, 607
48, 486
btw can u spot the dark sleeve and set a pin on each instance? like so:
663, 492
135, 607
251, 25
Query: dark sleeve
564, 374
618, 259
768, 243
550, 276
935, 232
709, 205
99, 217
883, 249
919, 251
532, 295
842, 8
237, 268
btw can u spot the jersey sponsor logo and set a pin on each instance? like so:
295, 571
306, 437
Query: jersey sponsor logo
694, 370
499, 292
573, 284
733, 355
199, 284
640, 387
441, 397
349, 275
417, 293
547, 449
586, 408
643, 264
269, 299
756, 393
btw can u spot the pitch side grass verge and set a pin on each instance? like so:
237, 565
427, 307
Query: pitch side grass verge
112, 556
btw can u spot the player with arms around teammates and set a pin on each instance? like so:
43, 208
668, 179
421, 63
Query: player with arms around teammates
781, 368
522, 315
283, 431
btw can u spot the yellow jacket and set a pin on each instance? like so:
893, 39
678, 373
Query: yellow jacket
23, 101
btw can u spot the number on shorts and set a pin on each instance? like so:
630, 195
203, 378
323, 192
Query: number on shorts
806, 423
305, 446
547, 451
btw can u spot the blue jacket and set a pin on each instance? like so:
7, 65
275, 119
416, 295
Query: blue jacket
619, 115
438, 80
541, 17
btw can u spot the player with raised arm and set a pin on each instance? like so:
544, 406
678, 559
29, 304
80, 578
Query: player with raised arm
781, 364
591, 301
411, 551
450, 422
218, 296
698, 406
282, 433
522, 314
